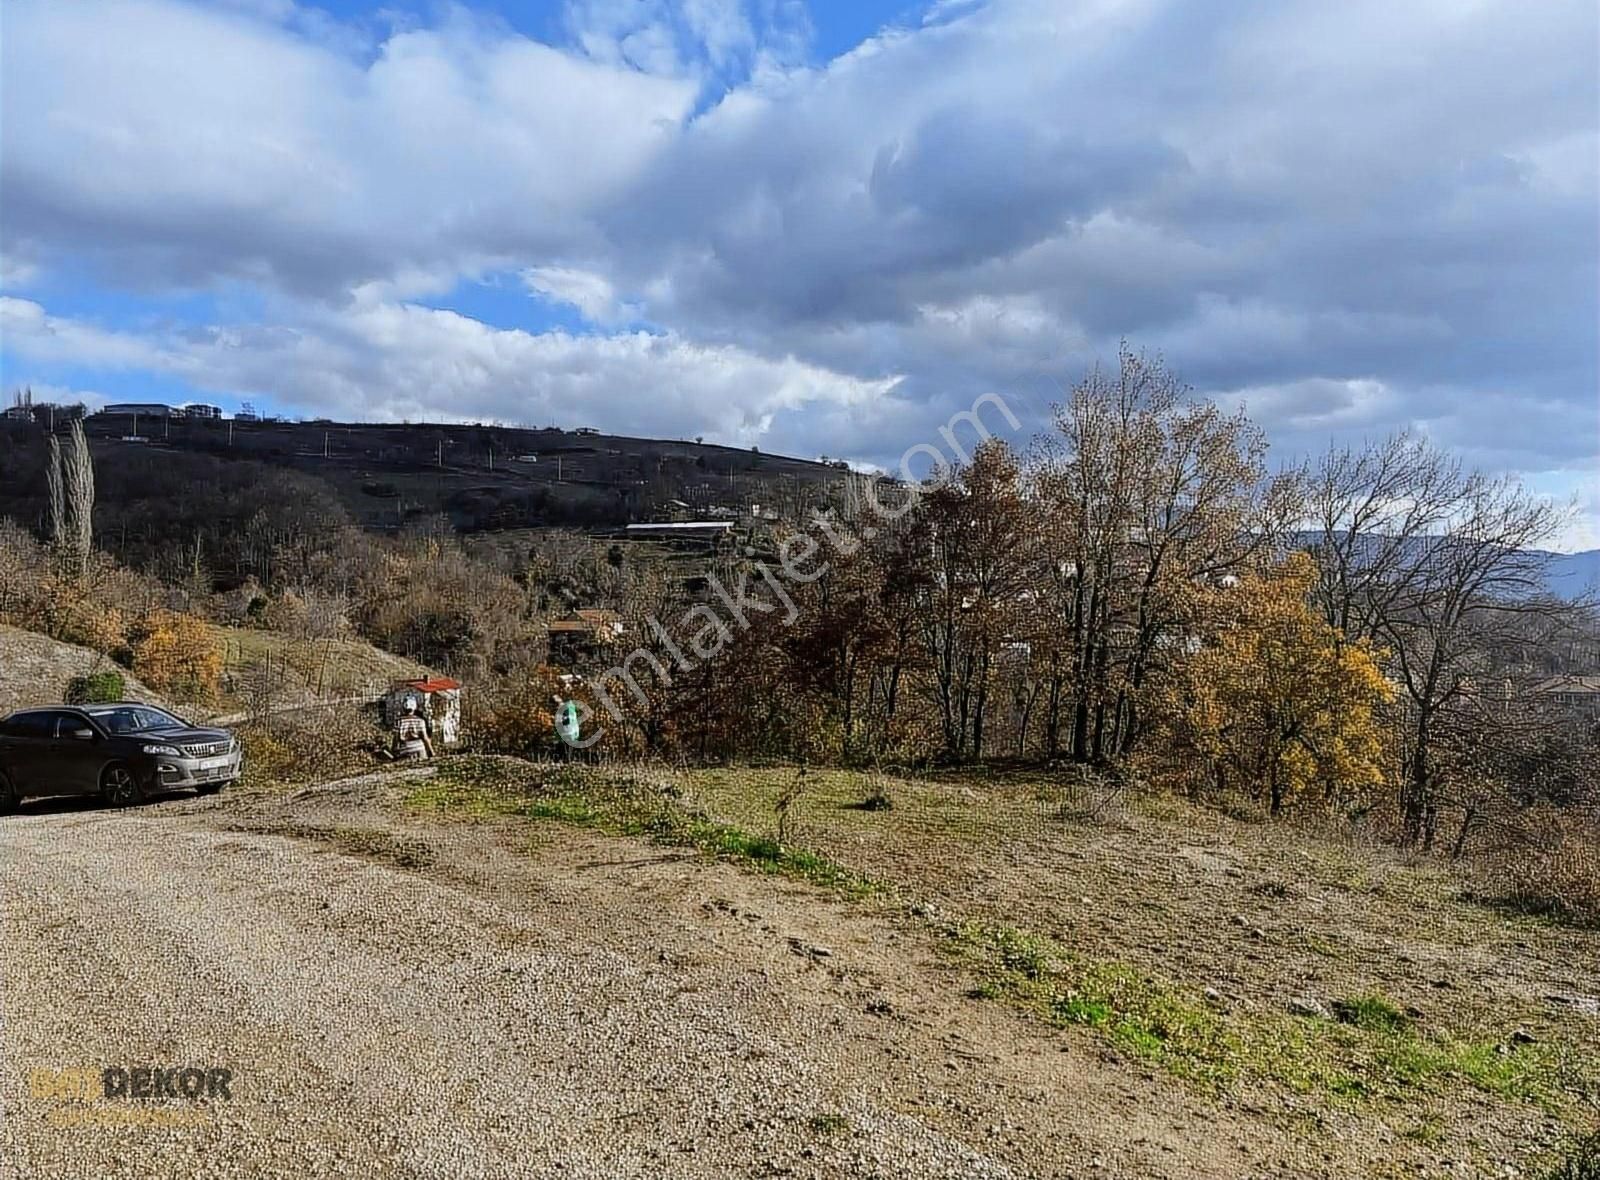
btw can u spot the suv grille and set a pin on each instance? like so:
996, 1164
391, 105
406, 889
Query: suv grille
207, 749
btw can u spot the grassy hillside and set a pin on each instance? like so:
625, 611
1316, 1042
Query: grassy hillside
37, 668
303, 670
482, 477
1333, 1005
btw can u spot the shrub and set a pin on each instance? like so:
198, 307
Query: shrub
177, 653
517, 715
1549, 864
318, 742
285, 612
95, 688
96, 626
878, 798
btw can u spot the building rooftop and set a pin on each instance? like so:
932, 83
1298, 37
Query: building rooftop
429, 684
1569, 684
682, 525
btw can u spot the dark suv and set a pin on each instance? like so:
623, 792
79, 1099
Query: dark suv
124, 751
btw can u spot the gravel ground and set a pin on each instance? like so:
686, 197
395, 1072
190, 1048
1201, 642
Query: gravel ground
395, 997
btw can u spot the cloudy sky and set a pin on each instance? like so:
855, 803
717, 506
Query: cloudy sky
815, 227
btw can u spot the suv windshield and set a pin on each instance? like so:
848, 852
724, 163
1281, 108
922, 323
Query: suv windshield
134, 718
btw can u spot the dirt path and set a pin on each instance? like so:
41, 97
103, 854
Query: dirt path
398, 998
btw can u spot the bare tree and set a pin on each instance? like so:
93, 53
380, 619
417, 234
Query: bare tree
1459, 595
70, 476
1369, 511
974, 537
1146, 496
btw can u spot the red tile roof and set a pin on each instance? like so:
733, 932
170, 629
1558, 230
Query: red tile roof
432, 683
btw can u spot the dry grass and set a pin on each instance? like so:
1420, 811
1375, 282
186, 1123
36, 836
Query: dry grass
316, 742
37, 669
1182, 936
1548, 863
287, 670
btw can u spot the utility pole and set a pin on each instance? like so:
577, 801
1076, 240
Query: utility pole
324, 444
136, 424
558, 468
441, 454
230, 432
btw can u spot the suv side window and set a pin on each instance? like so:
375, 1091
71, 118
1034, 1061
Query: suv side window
66, 724
31, 725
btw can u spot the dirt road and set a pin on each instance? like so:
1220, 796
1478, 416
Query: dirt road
393, 997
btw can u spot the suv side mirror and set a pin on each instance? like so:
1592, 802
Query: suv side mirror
83, 734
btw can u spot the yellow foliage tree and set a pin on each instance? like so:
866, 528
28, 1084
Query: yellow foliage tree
177, 653
1278, 703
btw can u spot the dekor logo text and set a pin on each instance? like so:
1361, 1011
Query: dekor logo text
140, 1081
132, 1096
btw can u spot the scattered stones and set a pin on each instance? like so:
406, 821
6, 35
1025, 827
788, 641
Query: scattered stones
800, 947
1310, 1008
1589, 1004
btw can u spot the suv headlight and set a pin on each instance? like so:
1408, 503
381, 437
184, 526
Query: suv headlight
170, 751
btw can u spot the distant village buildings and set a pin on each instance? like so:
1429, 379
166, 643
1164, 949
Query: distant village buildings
1580, 694
143, 409
583, 636
200, 410
698, 529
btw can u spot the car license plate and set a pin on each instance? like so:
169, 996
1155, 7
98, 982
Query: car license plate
213, 763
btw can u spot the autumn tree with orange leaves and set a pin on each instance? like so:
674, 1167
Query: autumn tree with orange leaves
1273, 703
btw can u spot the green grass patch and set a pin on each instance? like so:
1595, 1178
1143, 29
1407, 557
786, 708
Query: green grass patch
1373, 1012
1134, 1011
1373, 1053
622, 804
829, 1124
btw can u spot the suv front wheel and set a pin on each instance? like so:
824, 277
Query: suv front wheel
120, 786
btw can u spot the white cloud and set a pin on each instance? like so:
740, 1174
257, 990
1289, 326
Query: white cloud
176, 146
393, 361
16, 273
1292, 201
34, 334
590, 293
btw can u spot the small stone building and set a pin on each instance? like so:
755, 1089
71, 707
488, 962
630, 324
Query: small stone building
438, 699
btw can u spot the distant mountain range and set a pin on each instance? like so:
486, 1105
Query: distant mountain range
1569, 576
1572, 575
